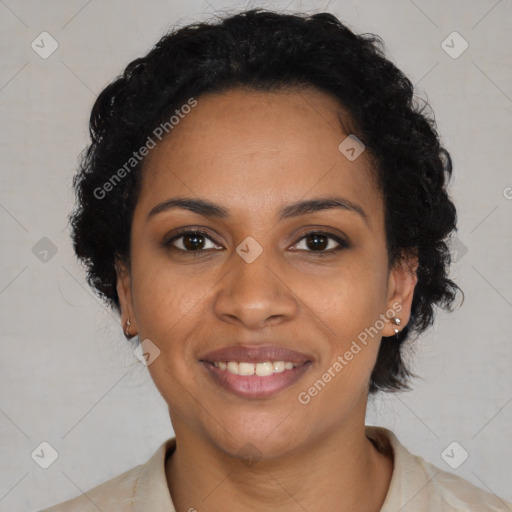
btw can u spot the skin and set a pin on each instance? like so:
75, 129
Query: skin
252, 153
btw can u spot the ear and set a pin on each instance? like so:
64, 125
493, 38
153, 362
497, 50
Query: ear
124, 292
401, 283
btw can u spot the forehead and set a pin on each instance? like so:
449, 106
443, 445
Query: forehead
257, 150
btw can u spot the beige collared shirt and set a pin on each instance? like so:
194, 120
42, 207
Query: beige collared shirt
416, 486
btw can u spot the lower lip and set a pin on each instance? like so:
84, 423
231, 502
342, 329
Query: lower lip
253, 386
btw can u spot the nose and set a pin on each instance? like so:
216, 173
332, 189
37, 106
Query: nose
255, 295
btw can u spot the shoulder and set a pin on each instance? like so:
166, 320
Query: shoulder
136, 489
449, 492
115, 494
419, 485
458, 494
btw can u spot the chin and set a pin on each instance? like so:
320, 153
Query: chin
258, 435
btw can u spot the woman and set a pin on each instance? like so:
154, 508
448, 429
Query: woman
266, 207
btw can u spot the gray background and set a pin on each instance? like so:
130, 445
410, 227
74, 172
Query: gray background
68, 377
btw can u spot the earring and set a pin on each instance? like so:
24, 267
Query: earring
126, 328
396, 321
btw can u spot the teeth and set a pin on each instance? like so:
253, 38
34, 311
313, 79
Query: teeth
264, 369
259, 369
233, 367
245, 368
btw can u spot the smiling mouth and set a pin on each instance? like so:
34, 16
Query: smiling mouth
263, 369
255, 380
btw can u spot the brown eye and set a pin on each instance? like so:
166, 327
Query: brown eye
191, 241
317, 242
321, 243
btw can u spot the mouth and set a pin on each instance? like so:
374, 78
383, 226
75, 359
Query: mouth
254, 371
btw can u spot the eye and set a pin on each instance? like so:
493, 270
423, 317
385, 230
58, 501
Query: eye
321, 243
191, 241
197, 242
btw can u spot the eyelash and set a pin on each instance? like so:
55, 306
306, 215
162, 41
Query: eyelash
343, 244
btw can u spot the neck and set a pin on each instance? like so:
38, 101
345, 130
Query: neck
341, 472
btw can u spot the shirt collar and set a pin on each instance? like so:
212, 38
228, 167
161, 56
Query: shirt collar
151, 490
408, 478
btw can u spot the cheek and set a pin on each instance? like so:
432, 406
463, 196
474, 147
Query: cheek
169, 305
165, 293
349, 299
346, 308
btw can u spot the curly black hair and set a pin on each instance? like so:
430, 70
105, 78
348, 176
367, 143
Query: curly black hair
267, 51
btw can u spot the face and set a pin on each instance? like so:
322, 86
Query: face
268, 280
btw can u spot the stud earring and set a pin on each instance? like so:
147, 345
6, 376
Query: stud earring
126, 328
396, 321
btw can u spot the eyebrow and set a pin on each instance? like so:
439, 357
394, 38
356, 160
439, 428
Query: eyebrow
209, 209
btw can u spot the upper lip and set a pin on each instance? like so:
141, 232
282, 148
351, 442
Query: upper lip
255, 354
